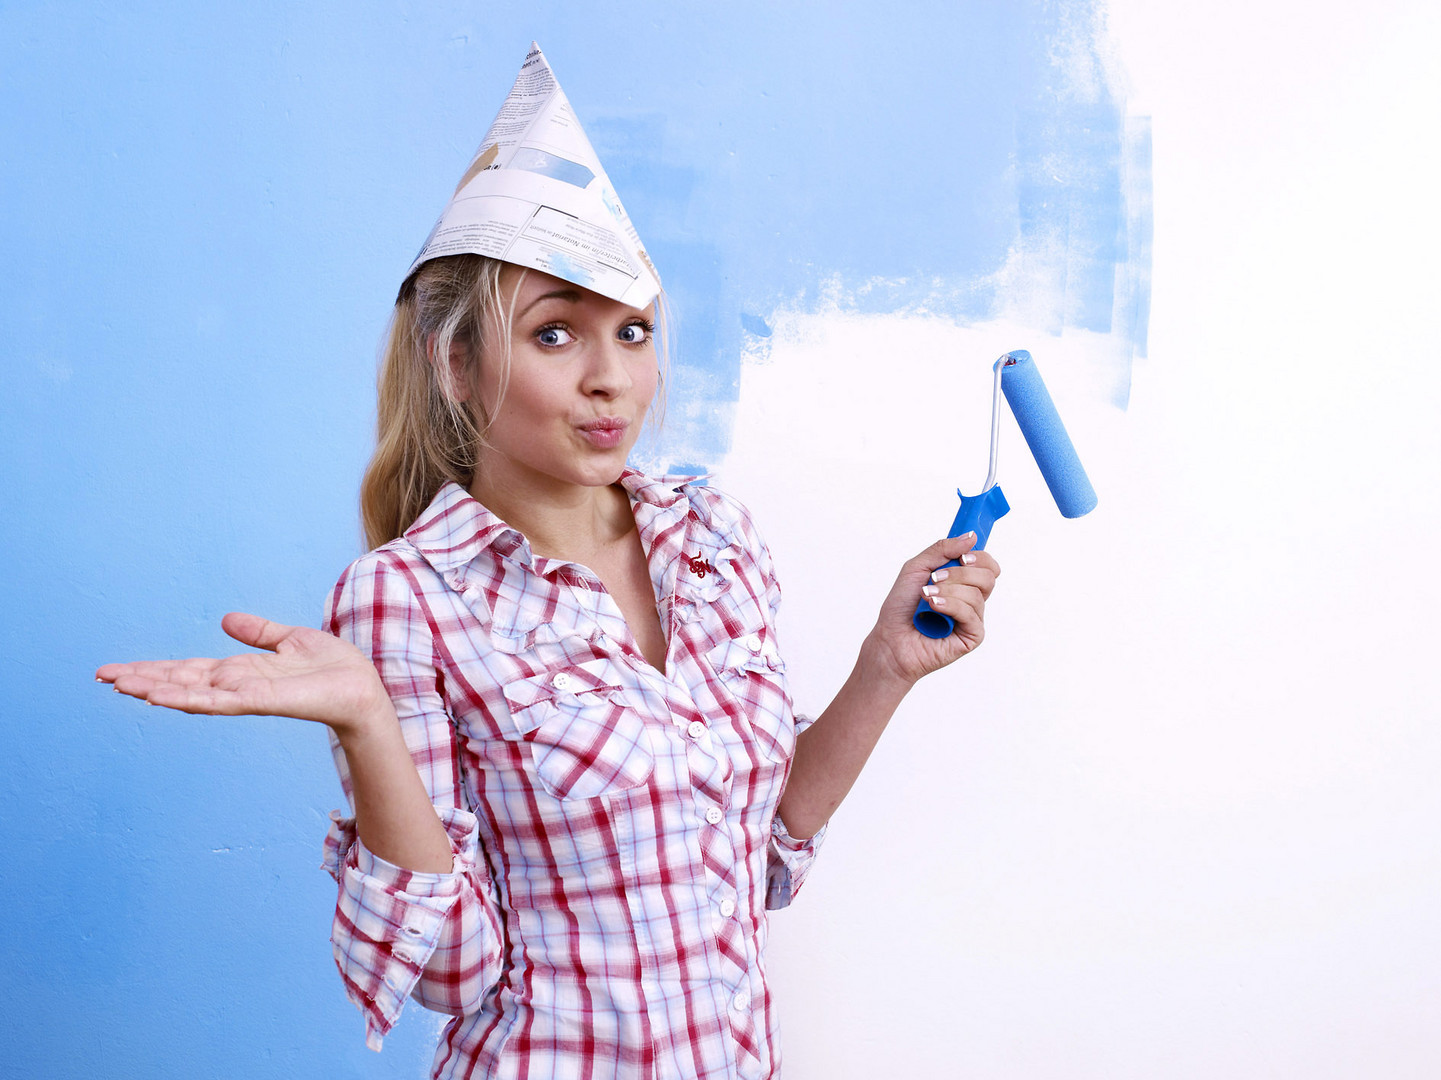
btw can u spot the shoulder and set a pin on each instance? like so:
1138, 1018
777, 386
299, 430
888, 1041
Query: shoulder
720, 512
397, 560
733, 529
381, 584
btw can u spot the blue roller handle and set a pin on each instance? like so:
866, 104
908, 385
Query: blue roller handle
977, 514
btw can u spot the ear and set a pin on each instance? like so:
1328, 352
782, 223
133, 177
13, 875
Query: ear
454, 374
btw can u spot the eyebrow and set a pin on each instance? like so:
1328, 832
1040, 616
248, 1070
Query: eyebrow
571, 295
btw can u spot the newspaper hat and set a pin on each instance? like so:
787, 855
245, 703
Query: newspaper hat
536, 196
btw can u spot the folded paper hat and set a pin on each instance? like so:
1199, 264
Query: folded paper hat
536, 196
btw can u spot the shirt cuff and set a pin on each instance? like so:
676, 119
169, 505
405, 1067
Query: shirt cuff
389, 920
789, 862
344, 849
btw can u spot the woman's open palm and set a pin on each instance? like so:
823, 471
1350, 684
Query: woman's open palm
306, 673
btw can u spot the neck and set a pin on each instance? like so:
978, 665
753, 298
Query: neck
561, 521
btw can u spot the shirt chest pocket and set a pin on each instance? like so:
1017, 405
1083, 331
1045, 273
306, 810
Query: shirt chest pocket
585, 739
751, 678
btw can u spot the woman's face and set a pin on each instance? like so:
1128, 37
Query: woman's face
582, 374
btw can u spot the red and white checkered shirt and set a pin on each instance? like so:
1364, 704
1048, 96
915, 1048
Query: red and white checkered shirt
614, 827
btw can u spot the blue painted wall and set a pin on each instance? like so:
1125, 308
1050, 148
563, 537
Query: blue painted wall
206, 215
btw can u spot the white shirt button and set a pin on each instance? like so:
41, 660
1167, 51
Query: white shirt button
742, 1001
402, 956
695, 730
413, 931
561, 681
753, 643
714, 816
728, 908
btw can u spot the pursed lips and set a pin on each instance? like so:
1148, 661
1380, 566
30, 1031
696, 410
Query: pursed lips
605, 433
604, 423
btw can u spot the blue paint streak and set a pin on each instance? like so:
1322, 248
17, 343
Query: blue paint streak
1133, 305
1083, 187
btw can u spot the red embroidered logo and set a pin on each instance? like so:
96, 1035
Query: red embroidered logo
698, 566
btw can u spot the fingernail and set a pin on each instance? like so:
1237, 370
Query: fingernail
929, 590
940, 575
970, 535
967, 559
938, 601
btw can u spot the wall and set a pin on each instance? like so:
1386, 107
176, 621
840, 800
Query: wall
1177, 818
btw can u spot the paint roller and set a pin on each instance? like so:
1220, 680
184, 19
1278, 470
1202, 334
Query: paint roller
1017, 377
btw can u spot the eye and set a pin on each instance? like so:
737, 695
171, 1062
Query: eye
636, 333
554, 336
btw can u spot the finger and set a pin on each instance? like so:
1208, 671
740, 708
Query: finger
942, 552
970, 631
978, 577
982, 560
142, 686
255, 630
134, 685
955, 592
183, 671
110, 672
181, 678
206, 701
952, 597
245, 697
967, 610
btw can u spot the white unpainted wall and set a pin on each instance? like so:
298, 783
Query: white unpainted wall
1179, 817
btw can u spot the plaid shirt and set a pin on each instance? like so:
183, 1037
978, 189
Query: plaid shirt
614, 827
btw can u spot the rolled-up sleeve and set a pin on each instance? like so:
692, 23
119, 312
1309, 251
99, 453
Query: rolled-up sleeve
788, 862
399, 933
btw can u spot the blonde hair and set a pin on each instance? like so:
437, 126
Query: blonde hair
425, 433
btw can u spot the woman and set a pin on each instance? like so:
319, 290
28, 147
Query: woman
557, 703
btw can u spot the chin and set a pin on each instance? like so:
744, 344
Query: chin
606, 466
604, 476
592, 470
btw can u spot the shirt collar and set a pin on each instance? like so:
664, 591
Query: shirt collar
455, 527
658, 491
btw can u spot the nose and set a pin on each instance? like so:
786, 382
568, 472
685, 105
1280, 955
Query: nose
607, 375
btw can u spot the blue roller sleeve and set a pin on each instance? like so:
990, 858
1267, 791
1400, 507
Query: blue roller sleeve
1046, 436
977, 514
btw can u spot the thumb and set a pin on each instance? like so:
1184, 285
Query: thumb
254, 630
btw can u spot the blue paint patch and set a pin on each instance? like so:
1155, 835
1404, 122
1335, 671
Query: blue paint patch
690, 469
562, 265
754, 324
557, 168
